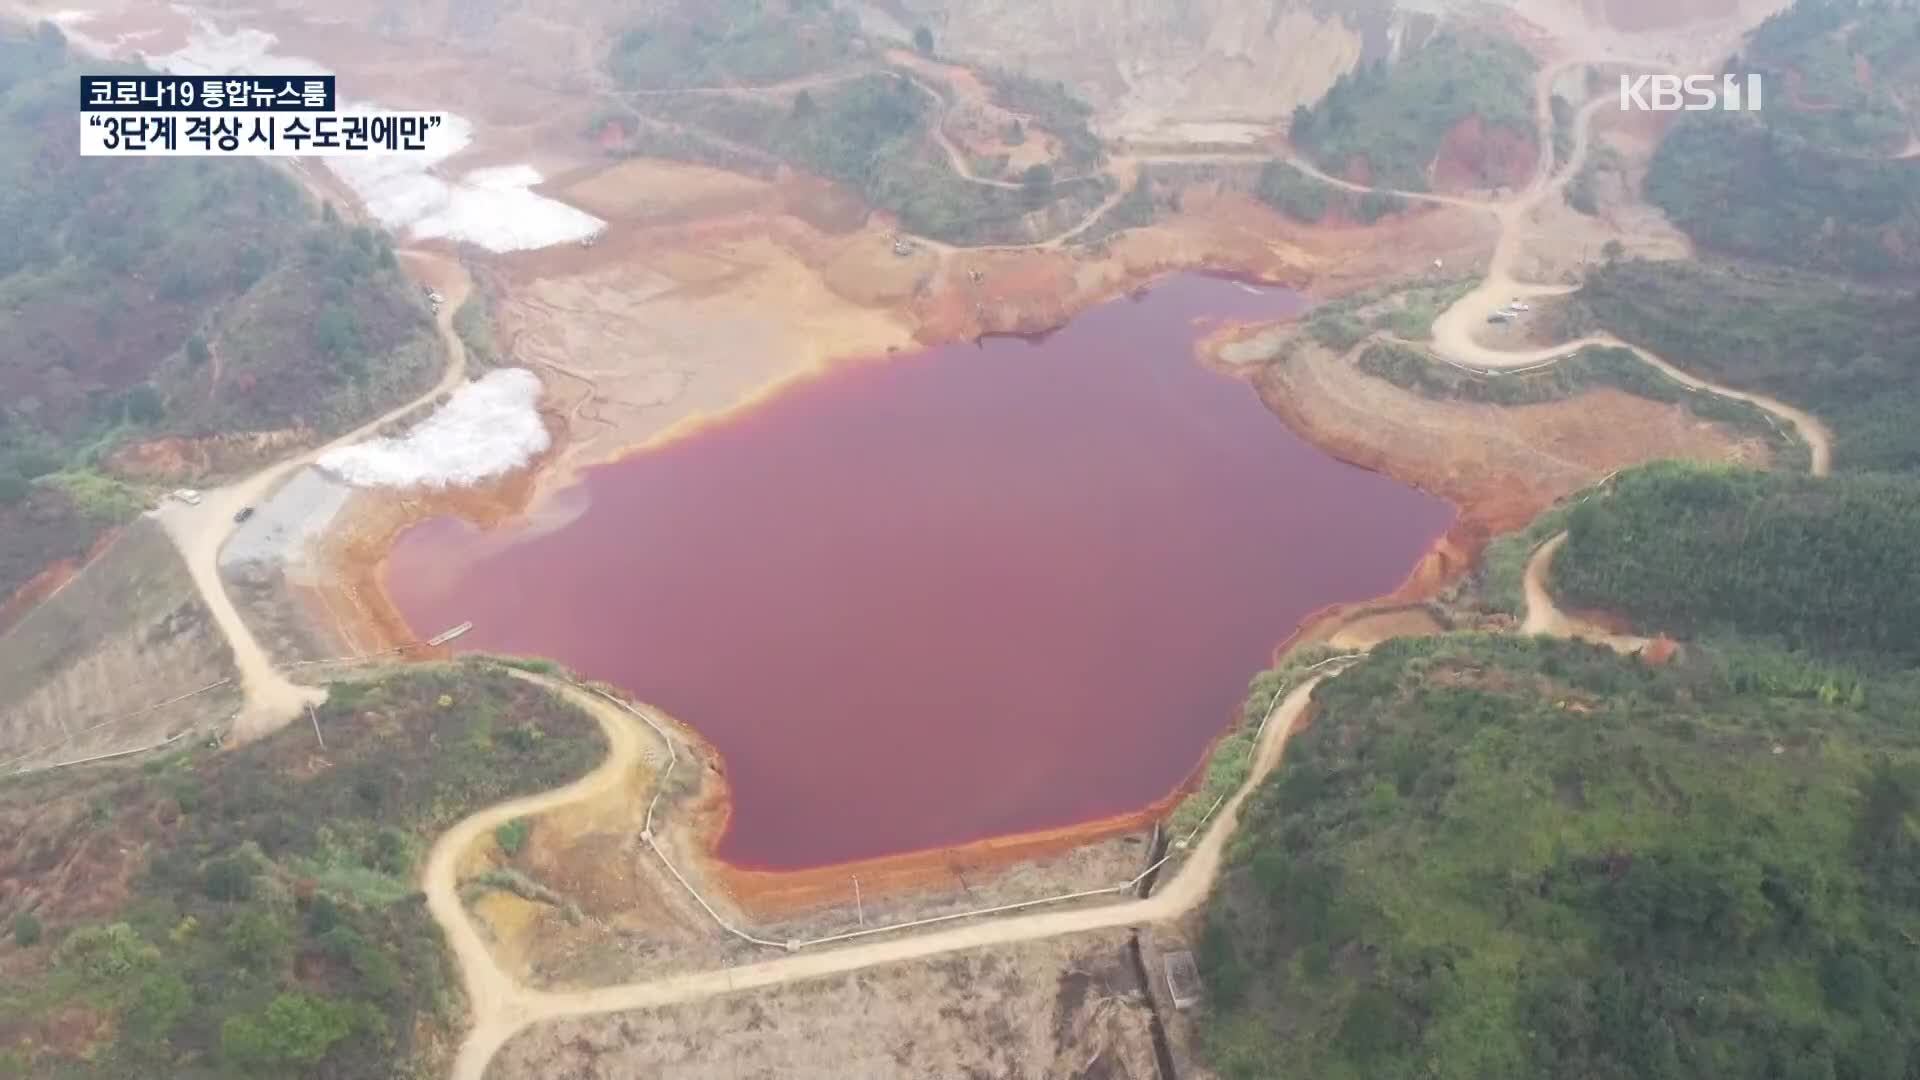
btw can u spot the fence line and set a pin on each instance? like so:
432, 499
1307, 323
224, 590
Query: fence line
1186, 841
70, 736
103, 757
648, 835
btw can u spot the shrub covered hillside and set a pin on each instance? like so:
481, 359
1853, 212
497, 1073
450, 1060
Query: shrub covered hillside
874, 135
1504, 857
150, 296
1829, 566
1396, 118
1848, 354
255, 913
733, 43
1815, 178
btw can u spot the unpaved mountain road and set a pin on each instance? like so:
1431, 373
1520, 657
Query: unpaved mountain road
502, 1007
1545, 617
270, 699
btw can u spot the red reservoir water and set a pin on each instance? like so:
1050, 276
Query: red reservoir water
975, 591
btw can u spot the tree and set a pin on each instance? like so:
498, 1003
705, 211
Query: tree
1038, 179
335, 331
164, 1000
255, 940
229, 879
513, 835
13, 486
106, 952
197, 352
1613, 249
296, 1029
142, 405
923, 40
804, 106
1300, 131
26, 926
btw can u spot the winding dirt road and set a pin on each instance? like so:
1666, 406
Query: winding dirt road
270, 699
501, 1007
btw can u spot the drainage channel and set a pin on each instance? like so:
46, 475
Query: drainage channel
1162, 1049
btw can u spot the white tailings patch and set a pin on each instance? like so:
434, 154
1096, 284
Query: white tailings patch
495, 208
488, 428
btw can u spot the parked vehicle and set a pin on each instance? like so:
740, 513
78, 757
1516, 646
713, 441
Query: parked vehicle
242, 514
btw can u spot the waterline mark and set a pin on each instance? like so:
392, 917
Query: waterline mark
1691, 93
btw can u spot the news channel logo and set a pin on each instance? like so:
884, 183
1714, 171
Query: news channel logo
1690, 93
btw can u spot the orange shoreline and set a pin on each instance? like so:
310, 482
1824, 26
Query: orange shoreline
359, 563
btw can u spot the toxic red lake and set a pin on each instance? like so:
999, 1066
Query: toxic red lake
974, 591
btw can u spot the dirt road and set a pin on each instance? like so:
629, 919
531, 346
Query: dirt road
1545, 617
270, 699
501, 1007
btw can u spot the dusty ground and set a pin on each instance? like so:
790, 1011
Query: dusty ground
1069, 1008
1557, 240
711, 289
631, 918
1500, 465
81, 673
1370, 629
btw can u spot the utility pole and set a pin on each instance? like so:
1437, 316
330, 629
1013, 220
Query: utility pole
859, 908
315, 717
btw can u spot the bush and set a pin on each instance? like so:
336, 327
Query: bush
26, 929
513, 835
229, 879
106, 952
1292, 192
296, 1029
1395, 118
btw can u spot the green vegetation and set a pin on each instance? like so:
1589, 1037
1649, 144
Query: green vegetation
1582, 191
1293, 192
1501, 584
1409, 315
1591, 367
1231, 758
871, 134
1837, 71
272, 927
1395, 119
1563, 129
1336, 330
1052, 107
1738, 188
734, 43
143, 297
1808, 180
1492, 856
1828, 566
1849, 355
1137, 209
513, 836
473, 322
